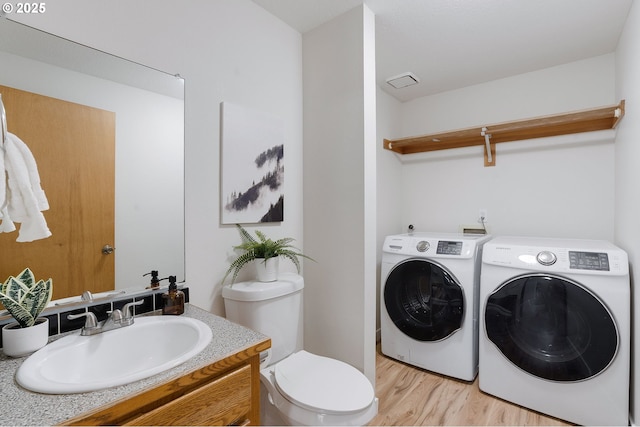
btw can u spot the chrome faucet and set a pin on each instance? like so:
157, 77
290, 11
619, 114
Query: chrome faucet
117, 319
127, 314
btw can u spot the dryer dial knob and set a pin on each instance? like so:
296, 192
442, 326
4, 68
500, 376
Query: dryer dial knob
422, 246
547, 258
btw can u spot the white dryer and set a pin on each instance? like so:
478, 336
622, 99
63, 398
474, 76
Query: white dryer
429, 301
555, 334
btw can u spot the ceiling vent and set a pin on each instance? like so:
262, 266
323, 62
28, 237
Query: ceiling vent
403, 80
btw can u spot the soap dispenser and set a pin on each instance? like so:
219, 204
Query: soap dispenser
155, 282
173, 299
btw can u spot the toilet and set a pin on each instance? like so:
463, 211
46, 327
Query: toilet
297, 387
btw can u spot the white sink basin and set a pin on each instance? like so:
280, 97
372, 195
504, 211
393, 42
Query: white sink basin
76, 364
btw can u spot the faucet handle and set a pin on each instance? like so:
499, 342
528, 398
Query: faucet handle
90, 323
116, 315
125, 310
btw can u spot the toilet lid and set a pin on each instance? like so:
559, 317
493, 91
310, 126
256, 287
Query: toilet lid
322, 384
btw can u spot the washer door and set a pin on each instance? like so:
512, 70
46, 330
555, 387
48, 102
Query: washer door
424, 300
551, 327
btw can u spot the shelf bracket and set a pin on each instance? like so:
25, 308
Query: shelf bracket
489, 148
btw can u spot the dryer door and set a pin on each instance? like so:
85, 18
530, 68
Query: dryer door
424, 300
551, 327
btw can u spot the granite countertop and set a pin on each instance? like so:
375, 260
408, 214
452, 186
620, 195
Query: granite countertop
23, 407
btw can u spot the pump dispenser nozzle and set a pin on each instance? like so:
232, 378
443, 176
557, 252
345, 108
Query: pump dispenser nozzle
155, 282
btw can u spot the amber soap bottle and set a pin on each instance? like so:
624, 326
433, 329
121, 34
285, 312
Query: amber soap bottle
173, 299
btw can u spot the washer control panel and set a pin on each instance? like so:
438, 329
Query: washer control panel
598, 261
446, 245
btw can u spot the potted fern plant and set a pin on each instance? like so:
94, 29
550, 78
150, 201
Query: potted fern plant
24, 299
264, 253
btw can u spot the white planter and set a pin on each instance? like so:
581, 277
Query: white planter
18, 342
267, 270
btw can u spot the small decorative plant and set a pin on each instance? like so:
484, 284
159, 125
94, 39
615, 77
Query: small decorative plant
261, 247
24, 298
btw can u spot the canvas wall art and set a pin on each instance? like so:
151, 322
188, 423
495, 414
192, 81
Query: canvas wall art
252, 166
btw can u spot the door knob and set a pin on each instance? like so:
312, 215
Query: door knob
108, 249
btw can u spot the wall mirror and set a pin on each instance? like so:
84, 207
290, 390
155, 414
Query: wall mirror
148, 157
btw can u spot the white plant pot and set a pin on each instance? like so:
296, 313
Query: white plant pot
267, 269
18, 342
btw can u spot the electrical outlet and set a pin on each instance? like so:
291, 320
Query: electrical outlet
482, 216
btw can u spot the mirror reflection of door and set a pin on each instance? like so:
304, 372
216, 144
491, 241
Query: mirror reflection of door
74, 147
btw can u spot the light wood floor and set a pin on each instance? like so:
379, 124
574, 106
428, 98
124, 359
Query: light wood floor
411, 396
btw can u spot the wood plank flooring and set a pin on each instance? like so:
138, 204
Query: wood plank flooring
411, 396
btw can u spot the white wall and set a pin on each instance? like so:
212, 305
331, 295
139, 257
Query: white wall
227, 51
627, 175
339, 187
560, 187
389, 180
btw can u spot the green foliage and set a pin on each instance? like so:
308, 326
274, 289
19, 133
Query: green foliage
25, 298
261, 247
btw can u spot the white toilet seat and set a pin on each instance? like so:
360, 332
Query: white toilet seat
316, 390
322, 384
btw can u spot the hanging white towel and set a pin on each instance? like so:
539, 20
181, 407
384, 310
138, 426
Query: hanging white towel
6, 225
25, 198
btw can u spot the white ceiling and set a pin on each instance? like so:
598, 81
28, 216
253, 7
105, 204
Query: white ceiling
449, 44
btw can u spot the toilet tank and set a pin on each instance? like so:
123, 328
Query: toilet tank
271, 308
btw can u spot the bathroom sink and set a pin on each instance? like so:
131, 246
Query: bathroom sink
76, 364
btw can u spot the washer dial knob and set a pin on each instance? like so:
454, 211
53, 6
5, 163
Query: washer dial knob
422, 246
547, 258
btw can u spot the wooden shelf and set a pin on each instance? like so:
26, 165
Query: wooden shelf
559, 124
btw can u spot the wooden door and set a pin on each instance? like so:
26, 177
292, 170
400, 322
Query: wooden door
74, 147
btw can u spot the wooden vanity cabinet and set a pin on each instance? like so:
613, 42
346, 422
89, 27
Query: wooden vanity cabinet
226, 392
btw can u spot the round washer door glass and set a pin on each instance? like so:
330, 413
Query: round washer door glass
424, 300
551, 327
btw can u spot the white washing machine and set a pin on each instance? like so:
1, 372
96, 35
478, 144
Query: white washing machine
429, 301
555, 334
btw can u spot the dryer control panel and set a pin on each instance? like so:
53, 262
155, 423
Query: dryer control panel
585, 257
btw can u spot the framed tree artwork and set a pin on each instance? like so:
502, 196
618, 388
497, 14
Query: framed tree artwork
252, 166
